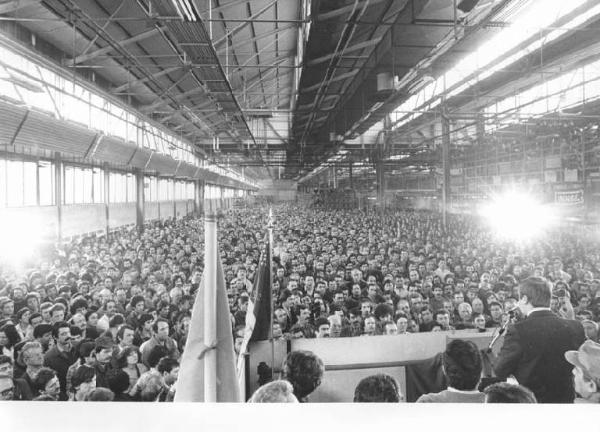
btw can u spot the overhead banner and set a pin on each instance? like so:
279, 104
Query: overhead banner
572, 197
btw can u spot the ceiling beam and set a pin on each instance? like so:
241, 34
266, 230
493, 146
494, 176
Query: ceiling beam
346, 9
356, 47
125, 86
161, 102
246, 41
341, 77
12, 6
107, 49
221, 7
245, 23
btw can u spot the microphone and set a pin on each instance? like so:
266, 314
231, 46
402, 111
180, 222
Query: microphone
511, 314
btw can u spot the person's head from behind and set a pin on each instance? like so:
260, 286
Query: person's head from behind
100, 394
503, 392
534, 292
83, 381
117, 381
151, 389
377, 388
279, 391
304, 370
104, 346
462, 364
156, 353
46, 383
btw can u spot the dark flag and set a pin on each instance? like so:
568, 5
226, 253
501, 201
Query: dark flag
260, 308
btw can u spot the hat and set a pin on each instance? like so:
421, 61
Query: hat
587, 358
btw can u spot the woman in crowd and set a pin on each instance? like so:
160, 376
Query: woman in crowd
128, 360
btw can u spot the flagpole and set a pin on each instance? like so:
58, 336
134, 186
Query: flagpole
210, 303
270, 256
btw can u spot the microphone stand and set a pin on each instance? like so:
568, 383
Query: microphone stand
511, 314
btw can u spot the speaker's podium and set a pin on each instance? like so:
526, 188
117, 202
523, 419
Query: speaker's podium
348, 360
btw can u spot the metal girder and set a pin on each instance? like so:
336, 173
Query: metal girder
144, 80
334, 79
268, 123
245, 23
263, 79
256, 38
344, 10
107, 49
222, 7
259, 75
14, 5
104, 27
178, 97
355, 47
262, 50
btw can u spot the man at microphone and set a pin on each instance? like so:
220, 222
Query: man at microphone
534, 348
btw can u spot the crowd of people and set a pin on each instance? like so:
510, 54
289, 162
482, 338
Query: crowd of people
107, 317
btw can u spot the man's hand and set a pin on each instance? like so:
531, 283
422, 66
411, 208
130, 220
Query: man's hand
566, 310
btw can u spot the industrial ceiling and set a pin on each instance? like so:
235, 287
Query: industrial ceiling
274, 88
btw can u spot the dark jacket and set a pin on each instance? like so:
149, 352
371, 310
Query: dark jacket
60, 361
24, 388
101, 370
533, 352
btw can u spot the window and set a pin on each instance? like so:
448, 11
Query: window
190, 192
3, 183
30, 182
14, 183
165, 190
69, 180
81, 184
20, 181
46, 182
122, 188
131, 188
150, 189
98, 185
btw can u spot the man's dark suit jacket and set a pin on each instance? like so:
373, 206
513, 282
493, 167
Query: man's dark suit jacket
533, 352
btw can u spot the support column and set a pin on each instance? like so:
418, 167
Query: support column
334, 172
106, 195
445, 168
174, 195
140, 200
380, 173
350, 174
58, 192
198, 197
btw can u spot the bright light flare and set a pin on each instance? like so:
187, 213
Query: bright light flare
21, 237
517, 216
